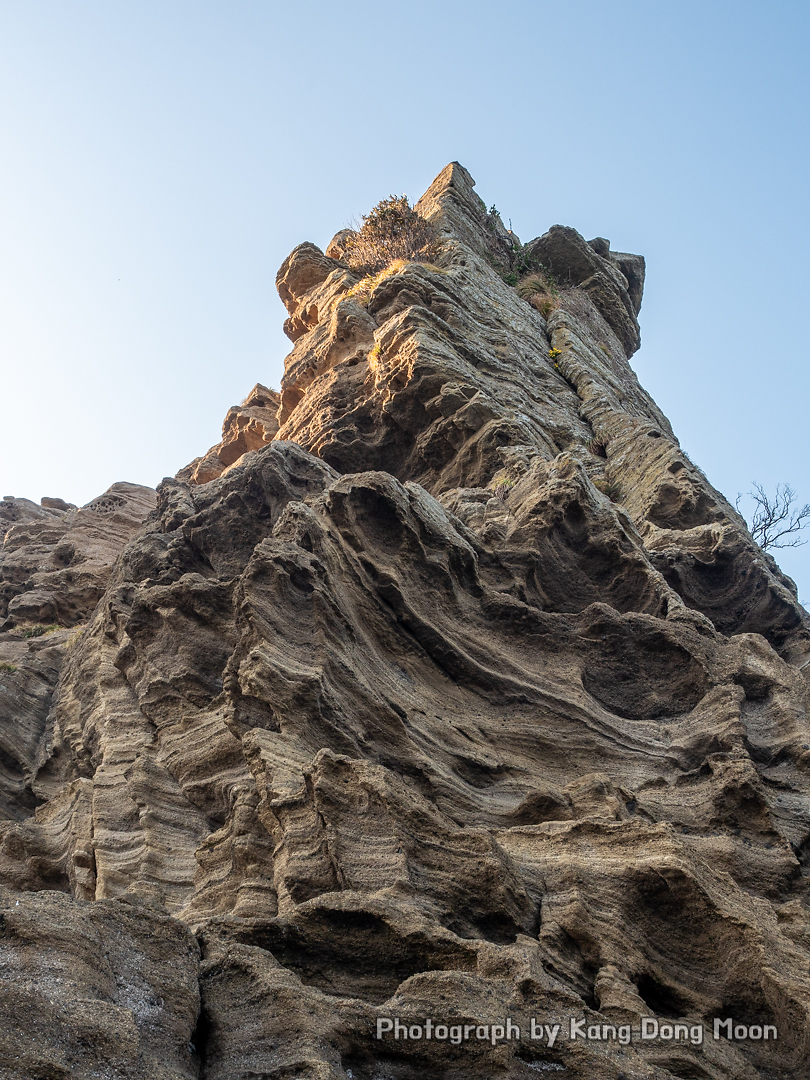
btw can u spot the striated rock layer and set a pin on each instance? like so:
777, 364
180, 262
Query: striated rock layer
459, 694
54, 564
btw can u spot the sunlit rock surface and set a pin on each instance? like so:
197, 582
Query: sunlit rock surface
248, 426
445, 686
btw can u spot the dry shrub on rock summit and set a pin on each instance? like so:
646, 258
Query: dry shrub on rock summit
392, 230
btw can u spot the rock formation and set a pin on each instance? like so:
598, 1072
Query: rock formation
445, 687
56, 559
248, 426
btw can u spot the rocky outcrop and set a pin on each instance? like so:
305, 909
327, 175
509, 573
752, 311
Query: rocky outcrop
613, 281
18, 511
466, 697
107, 989
246, 427
54, 562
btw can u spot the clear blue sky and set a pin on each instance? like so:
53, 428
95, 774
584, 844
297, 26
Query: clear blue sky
160, 159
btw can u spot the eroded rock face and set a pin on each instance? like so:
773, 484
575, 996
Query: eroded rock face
54, 565
465, 697
18, 511
55, 560
105, 989
246, 427
613, 281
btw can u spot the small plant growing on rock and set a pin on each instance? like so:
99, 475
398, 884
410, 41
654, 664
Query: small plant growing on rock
502, 488
540, 289
505, 253
10, 668
74, 637
38, 631
519, 260
391, 231
609, 488
554, 353
365, 287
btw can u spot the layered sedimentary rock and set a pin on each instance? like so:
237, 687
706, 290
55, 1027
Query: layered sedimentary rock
55, 561
460, 695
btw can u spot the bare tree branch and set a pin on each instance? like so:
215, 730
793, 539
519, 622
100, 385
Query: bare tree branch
776, 521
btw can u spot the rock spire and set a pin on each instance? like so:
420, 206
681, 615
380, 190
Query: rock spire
444, 692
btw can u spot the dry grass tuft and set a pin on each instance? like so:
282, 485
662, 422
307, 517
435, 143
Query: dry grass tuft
366, 286
391, 232
38, 631
540, 289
